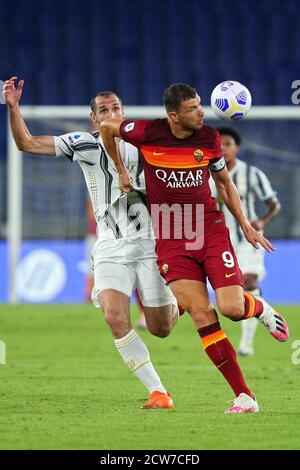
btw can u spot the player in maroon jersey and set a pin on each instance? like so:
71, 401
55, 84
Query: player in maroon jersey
178, 154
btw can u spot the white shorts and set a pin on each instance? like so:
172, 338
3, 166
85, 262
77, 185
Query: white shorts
124, 266
251, 260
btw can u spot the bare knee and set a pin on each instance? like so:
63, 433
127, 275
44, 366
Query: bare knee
118, 323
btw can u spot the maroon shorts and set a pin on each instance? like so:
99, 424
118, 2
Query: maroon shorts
216, 259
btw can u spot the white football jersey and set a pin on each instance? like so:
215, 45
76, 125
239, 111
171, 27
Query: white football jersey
118, 215
251, 183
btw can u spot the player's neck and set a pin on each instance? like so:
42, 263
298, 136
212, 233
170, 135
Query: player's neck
179, 132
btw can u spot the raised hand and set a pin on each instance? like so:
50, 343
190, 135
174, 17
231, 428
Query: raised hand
11, 94
256, 238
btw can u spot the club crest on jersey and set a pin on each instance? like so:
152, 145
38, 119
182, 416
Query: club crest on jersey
165, 268
198, 154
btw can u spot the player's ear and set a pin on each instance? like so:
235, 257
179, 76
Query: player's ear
172, 115
93, 116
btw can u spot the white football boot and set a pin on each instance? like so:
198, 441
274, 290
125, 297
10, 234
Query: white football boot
245, 349
242, 404
274, 322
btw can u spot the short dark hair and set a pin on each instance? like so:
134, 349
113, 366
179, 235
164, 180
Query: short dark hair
229, 131
177, 93
103, 93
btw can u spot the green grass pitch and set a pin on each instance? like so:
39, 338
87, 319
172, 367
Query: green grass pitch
64, 386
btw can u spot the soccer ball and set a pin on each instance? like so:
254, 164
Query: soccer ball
231, 100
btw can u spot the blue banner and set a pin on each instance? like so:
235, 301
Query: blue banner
48, 272
55, 272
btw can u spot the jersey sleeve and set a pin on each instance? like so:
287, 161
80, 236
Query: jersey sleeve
217, 163
75, 145
63, 146
261, 185
134, 132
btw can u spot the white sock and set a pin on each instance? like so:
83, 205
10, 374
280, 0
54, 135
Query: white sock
248, 330
136, 356
249, 326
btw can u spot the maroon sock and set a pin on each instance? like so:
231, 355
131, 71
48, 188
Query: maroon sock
253, 306
221, 352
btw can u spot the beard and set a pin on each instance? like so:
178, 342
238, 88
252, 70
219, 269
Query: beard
188, 126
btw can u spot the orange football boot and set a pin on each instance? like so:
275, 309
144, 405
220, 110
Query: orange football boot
158, 400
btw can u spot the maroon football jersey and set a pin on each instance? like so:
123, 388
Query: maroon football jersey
176, 170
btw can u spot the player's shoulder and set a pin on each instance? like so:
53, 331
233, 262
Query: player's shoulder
159, 122
252, 171
257, 173
78, 140
242, 164
159, 125
145, 123
207, 135
247, 166
157, 128
209, 131
255, 168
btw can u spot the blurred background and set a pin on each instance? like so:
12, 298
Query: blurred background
67, 51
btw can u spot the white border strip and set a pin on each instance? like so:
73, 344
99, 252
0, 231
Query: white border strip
150, 112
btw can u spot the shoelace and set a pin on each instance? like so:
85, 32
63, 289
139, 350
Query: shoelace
265, 322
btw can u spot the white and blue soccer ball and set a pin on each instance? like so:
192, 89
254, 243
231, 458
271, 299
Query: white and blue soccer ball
231, 100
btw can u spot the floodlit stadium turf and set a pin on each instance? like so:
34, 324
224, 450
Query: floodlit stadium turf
65, 387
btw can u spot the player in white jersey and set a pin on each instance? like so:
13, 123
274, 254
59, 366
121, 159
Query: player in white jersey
123, 256
252, 185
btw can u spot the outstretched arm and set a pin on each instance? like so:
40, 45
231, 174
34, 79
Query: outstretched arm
39, 145
227, 190
110, 130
